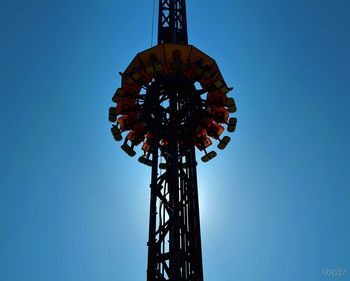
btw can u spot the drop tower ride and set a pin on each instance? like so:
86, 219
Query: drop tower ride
159, 108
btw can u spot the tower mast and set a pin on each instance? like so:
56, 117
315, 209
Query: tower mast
174, 247
161, 107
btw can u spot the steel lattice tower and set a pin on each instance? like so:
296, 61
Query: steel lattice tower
161, 107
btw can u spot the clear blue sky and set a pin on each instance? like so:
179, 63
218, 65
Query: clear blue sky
275, 205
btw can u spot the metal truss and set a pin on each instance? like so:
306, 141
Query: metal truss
174, 246
172, 23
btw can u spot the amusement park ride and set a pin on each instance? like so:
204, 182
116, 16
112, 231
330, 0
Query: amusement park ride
159, 108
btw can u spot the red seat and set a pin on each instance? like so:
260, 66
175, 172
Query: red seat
220, 114
216, 98
132, 87
213, 130
147, 144
207, 82
201, 140
127, 122
126, 105
136, 137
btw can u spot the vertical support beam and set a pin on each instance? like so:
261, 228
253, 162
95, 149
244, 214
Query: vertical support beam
174, 186
151, 261
196, 230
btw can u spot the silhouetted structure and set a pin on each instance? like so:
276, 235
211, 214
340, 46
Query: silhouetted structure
160, 107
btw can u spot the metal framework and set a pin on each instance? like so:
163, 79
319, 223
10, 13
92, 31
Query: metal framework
174, 247
172, 22
159, 106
